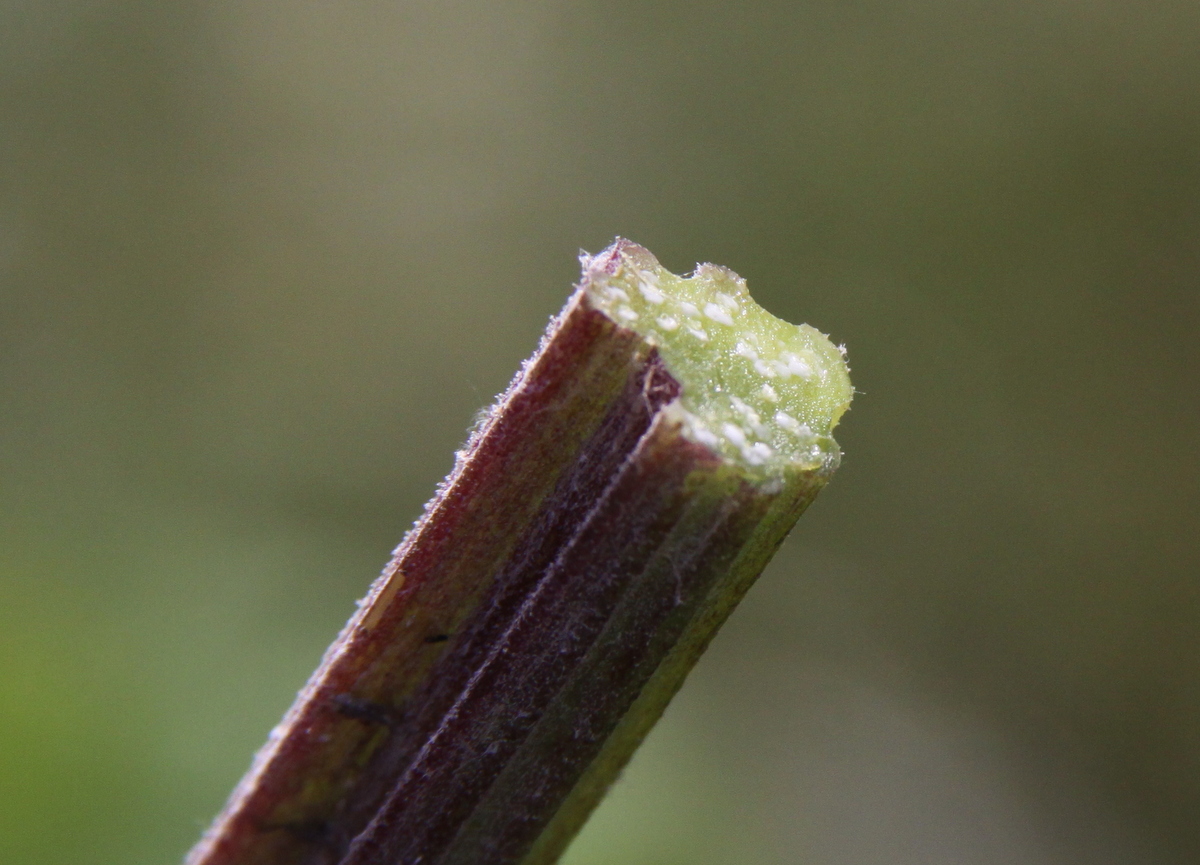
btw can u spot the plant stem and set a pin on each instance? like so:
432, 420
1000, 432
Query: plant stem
535, 622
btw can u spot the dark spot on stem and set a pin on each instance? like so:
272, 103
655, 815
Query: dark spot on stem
364, 710
437, 638
316, 832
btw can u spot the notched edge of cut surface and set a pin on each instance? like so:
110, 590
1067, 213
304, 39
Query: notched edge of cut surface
761, 392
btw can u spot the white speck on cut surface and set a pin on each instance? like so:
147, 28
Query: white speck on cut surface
667, 322
651, 292
746, 351
717, 313
748, 413
689, 308
768, 393
733, 433
627, 313
698, 332
616, 293
764, 369
786, 421
727, 301
842, 348
762, 450
797, 367
787, 370
789, 423
705, 437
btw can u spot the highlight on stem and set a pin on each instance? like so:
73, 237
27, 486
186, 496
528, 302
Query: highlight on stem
606, 515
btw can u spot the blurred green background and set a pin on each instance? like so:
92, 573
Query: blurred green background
261, 261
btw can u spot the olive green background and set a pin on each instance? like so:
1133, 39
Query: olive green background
261, 261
